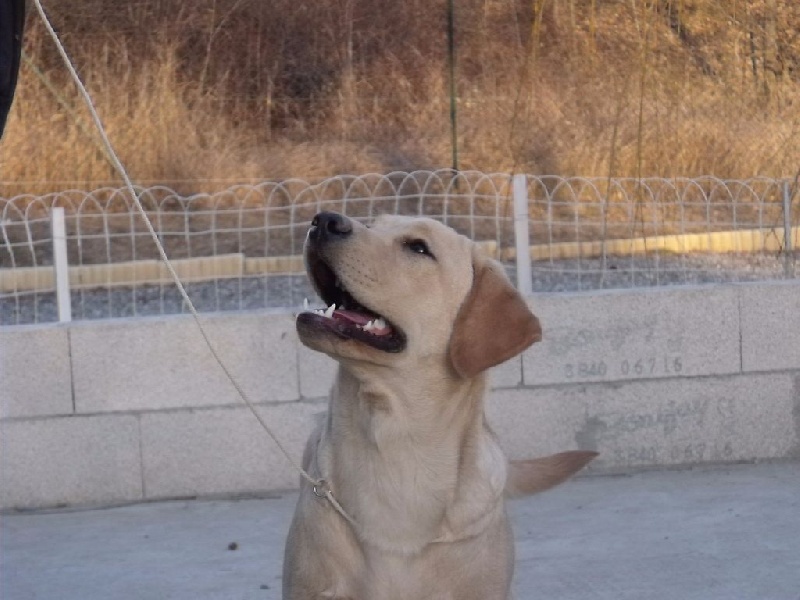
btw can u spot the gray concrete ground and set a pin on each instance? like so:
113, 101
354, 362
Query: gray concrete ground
711, 533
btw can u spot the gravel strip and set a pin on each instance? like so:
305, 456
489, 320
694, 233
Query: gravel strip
288, 291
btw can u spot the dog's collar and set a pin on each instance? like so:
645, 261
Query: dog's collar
472, 529
323, 491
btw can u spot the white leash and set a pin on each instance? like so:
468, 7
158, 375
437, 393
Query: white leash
320, 487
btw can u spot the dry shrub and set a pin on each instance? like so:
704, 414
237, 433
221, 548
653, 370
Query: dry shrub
226, 89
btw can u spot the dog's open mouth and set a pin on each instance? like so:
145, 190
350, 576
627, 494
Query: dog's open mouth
345, 316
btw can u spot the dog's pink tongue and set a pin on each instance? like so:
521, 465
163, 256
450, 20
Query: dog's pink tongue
360, 319
352, 316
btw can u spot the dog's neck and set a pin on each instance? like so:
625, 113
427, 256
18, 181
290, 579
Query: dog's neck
410, 456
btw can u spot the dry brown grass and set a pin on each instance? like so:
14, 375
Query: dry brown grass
235, 89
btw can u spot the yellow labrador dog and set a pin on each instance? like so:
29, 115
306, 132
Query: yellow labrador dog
416, 316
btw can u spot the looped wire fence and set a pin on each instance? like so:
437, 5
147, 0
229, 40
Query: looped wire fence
240, 247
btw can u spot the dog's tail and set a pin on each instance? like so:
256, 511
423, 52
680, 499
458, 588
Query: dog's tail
526, 477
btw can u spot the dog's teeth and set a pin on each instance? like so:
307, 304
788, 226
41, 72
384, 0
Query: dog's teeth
305, 303
369, 326
379, 324
329, 312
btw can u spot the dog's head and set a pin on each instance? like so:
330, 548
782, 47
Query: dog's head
410, 289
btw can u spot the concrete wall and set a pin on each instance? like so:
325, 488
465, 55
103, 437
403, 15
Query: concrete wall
128, 410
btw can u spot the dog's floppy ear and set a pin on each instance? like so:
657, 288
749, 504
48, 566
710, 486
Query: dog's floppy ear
493, 324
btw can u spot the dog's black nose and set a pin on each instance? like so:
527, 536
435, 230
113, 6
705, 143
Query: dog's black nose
329, 225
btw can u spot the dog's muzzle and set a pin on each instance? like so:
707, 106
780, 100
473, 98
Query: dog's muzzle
346, 317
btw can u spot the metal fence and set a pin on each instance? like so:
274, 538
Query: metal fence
240, 247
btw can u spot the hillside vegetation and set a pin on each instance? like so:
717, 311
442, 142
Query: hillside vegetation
233, 89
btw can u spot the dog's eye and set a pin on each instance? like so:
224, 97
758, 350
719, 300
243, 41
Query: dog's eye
419, 247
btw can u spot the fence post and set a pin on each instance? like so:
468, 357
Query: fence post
522, 235
788, 251
61, 265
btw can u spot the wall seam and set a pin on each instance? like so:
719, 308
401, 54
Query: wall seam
141, 458
298, 369
71, 372
741, 333
318, 401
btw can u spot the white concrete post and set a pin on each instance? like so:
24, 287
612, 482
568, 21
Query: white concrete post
61, 265
522, 235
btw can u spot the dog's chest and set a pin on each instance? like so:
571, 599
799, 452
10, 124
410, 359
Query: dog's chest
399, 491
